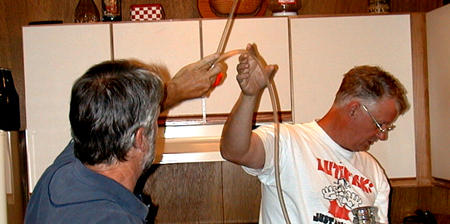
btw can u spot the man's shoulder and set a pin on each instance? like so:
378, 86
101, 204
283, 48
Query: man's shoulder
102, 211
67, 155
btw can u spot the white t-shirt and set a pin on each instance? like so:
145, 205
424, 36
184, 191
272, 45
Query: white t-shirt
321, 181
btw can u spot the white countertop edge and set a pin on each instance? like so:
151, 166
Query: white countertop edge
191, 157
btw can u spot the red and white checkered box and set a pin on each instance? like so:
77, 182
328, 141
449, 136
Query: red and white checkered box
146, 12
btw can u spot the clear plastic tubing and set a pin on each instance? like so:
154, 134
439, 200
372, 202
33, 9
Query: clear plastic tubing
276, 120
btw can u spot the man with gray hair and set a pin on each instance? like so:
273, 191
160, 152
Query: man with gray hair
114, 109
325, 170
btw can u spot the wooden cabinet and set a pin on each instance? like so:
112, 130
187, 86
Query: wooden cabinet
312, 55
271, 36
168, 43
438, 38
55, 56
178, 43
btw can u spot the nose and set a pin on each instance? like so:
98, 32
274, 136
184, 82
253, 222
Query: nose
383, 136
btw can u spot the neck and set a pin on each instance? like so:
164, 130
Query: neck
334, 123
125, 173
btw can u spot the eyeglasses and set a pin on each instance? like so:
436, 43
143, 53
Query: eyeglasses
379, 126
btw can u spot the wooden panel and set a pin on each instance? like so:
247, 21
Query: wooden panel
332, 7
172, 44
356, 6
271, 37
438, 38
54, 57
439, 201
323, 49
214, 119
187, 193
436, 200
16, 207
403, 182
414, 5
420, 107
404, 201
241, 195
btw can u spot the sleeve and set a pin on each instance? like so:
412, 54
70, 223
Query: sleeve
382, 199
266, 134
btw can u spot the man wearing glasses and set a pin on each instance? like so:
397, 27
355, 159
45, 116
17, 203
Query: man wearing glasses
325, 170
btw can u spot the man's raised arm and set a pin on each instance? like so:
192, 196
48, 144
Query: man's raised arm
238, 144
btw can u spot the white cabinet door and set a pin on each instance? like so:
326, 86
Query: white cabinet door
54, 56
323, 49
438, 45
272, 39
173, 44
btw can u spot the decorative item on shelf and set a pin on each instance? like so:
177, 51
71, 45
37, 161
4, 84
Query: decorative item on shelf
221, 8
379, 6
9, 102
112, 10
146, 12
284, 7
86, 11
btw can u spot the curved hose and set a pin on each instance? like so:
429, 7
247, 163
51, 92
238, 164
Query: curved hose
275, 108
276, 157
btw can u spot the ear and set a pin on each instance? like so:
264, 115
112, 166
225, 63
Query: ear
140, 139
352, 108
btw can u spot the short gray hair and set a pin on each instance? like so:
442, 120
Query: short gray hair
108, 104
371, 83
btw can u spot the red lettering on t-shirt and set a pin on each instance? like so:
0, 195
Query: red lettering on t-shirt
341, 172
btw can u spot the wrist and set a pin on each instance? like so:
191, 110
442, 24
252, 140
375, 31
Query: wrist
253, 99
170, 95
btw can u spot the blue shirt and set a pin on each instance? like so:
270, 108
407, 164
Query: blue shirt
68, 192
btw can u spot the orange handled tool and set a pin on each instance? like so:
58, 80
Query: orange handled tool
219, 79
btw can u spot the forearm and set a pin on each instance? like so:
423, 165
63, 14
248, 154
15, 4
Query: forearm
171, 97
192, 81
235, 143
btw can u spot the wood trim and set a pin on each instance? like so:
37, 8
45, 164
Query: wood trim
420, 99
285, 116
441, 183
403, 182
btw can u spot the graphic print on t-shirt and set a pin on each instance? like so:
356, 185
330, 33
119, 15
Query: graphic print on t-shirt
342, 198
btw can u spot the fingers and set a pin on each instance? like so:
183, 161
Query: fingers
242, 79
243, 58
243, 68
216, 69
208, 61
251, 49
